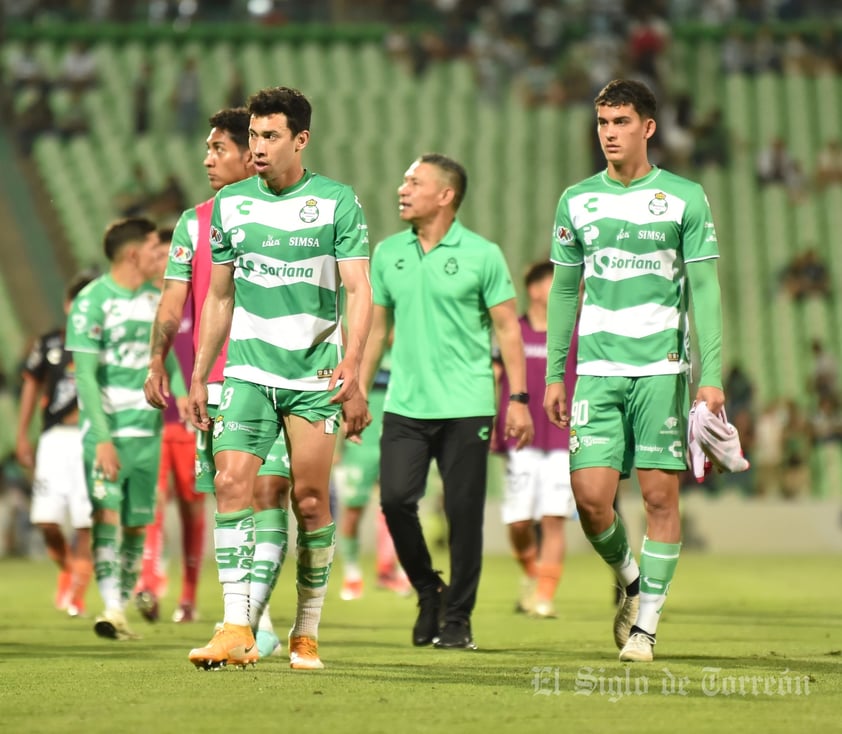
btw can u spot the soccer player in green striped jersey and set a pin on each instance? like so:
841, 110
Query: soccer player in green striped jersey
638, 236
108, 331
282, 243
228, 160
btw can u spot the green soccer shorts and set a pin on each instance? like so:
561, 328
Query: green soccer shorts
276, 463
250, 417
134, 493
621, 422
358, 468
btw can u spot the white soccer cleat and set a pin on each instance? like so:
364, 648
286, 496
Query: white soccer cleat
638, 649
112, 625
543, 609
624, 619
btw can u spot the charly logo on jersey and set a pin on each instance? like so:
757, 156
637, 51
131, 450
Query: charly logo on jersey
181, 254
451, 267
309, 212
658, 204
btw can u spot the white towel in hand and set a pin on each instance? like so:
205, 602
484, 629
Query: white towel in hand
713, 442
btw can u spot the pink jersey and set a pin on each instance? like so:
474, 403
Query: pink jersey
547, 436
201, 282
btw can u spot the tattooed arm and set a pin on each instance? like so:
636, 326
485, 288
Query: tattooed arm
167, 320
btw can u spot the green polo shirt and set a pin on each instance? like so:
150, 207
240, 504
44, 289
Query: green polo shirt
441, 356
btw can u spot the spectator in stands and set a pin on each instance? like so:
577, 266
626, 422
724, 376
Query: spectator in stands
774, 163
768, 455
713, 141
131, 198
796, 56
25, 69
765, 53
71, 118
717, 13
484, 46
534, 82
648, 38
548, 29
826, 421
78, 69
34, 119
16, 491
167, 203
829, 164
677, 131
734, 52
806, 275
141, 96
186, 97
824, 372
827, 48
236, 93
797, 446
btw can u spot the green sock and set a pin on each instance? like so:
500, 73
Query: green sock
106, 567
270, 546
131, 555
349, 549
657, 567
613, 546
233, 539
315, 557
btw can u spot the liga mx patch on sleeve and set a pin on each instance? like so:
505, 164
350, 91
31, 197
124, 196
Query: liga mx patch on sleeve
564, 236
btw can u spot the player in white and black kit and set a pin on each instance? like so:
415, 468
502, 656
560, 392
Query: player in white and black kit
59, 493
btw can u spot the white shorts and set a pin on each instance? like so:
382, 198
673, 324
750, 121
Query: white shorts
537, 485
58, 488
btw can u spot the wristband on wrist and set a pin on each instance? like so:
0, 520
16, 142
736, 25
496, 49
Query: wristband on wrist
519, 397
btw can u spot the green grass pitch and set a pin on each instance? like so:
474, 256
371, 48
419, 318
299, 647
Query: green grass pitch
746, 645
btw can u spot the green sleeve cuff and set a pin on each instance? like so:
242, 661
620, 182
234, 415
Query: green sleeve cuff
86, 364
707, 318
561, 318
178, 388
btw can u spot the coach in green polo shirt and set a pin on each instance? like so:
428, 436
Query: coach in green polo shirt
442, 287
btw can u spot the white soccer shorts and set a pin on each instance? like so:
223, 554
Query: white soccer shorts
537, 485
59, 489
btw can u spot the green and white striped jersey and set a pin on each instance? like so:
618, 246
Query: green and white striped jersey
634, 242
115, 323
284, 248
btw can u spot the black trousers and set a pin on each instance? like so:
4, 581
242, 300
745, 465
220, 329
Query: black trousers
460, 448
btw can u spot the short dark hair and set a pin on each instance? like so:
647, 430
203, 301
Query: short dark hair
79, 281
628, 91
165, 234
455, 173
235, 122
282, 101
125, 232
538, 271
